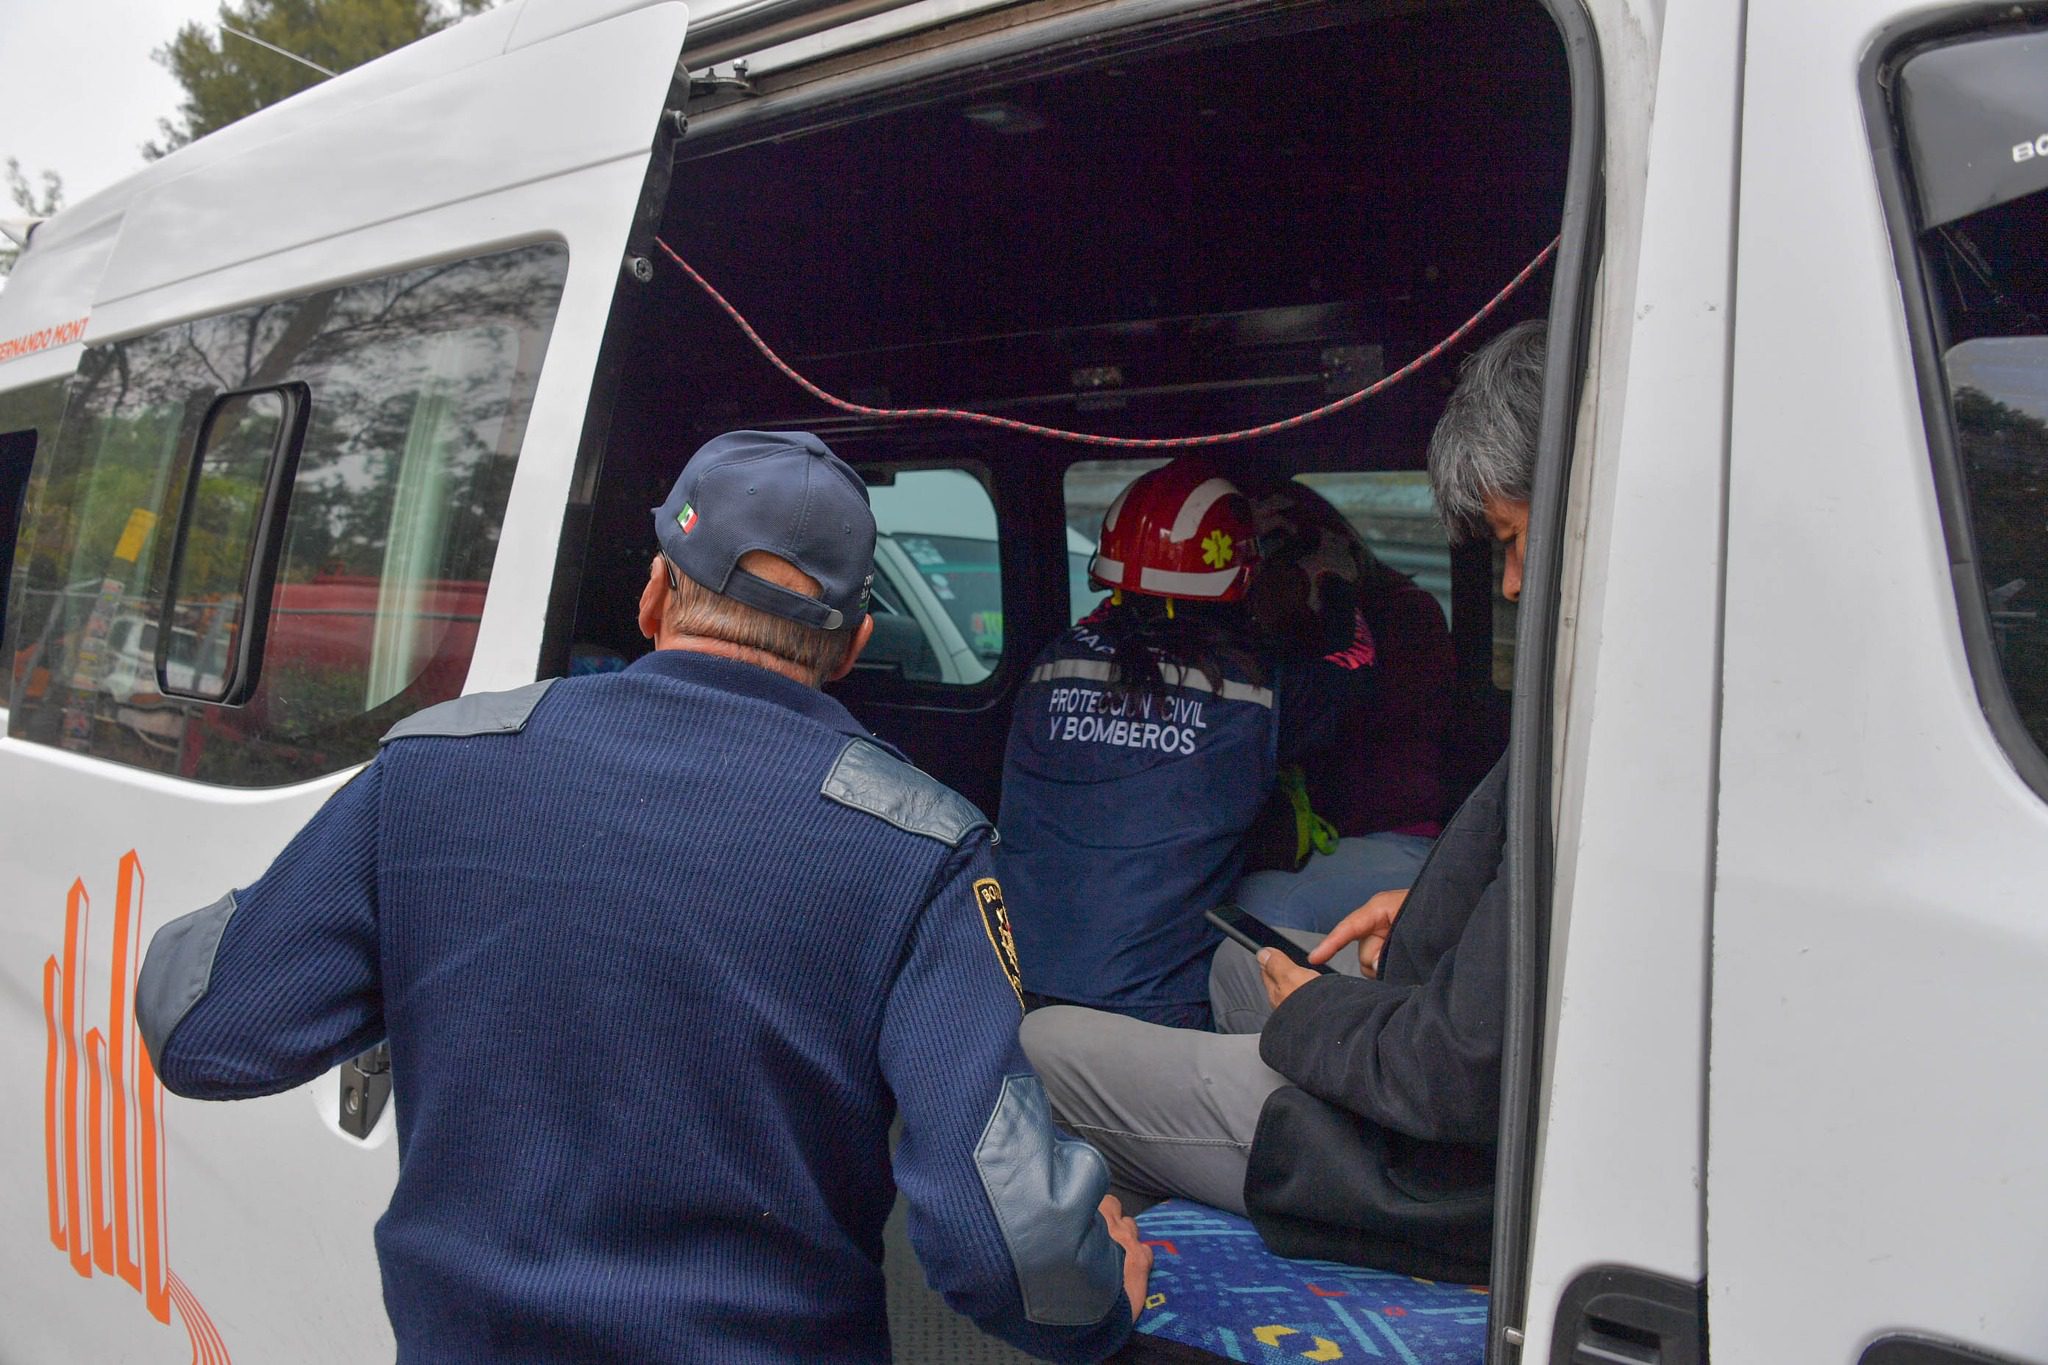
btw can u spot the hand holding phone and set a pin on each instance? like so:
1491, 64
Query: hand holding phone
1255, 934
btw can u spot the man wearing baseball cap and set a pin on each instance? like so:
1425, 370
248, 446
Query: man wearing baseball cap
660, 955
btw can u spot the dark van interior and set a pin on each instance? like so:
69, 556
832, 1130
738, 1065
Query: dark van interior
1178, 228
1182, 228
1179, 233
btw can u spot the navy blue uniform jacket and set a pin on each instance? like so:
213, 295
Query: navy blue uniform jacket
660, 955
1124, 819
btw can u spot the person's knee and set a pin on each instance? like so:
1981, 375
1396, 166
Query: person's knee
1057, 1039
1235, 987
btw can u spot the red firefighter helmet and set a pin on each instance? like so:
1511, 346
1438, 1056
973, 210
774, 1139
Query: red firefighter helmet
1182, 531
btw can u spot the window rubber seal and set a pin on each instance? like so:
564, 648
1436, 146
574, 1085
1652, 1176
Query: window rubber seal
1531, 838
266, 545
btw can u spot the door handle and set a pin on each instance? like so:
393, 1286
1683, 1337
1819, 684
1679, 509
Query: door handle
365, 1090
1617, 1315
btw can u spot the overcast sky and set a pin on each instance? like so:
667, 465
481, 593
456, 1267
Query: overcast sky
79, 94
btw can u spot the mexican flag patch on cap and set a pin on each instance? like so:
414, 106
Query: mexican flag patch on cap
688, 518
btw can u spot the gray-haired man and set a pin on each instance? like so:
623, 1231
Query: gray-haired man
1352, 1116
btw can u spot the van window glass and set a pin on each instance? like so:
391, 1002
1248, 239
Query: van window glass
938, 591
1392, 511
418, 386
1091, 486
17, 455
1988, 280
243, 436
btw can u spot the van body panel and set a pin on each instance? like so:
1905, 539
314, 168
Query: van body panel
471, 132
46, 309
476, 39
264, 1209
1623, 1141
1878, 1026
540, 20
1786, 839
240, 1257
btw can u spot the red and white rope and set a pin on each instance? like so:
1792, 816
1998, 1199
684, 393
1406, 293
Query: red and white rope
1090, 438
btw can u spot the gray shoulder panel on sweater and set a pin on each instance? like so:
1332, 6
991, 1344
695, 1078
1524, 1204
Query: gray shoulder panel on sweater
479, 713
177, 971
867, 778
1044, 1190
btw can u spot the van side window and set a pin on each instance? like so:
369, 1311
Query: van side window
17, 456
1973, 119
1090, 487
938, 591
1392, 511
415, 389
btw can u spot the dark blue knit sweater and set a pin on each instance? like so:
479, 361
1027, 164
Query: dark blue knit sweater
653, 1000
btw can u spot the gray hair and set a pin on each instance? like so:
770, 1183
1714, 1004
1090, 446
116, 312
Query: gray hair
1485, 443
694, 609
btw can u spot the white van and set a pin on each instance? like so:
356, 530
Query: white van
376, 386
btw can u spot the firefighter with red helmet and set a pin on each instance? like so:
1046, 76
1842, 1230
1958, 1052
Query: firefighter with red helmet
1144, 743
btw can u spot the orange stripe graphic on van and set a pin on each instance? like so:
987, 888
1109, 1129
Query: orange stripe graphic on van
114, 1224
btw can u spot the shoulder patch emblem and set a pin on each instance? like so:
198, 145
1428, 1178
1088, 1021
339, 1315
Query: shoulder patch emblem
995, 918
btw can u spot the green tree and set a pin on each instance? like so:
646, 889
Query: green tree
35, 203
227, 78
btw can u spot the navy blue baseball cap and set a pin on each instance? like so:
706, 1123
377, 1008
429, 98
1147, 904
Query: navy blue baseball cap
780, 491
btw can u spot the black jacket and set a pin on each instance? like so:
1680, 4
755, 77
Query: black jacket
1381, 1152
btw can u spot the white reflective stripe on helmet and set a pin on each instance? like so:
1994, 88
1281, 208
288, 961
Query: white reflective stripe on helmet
1176, 584
1207, 494
1107, 569
1096, 670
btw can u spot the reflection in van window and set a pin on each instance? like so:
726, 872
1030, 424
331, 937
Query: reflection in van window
2000, 389
938, 593
212, 572
17, 457
420, 385
1994, 274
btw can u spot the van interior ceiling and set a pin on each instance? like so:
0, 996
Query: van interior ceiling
1188, 234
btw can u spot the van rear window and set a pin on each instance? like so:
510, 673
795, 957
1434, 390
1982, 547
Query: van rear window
938, 590
1391, 510
416, 388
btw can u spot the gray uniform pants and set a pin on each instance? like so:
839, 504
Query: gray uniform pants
1172, 1109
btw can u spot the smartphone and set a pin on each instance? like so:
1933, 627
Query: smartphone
1255, 934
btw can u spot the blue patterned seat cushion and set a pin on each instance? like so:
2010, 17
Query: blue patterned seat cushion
1216, 1288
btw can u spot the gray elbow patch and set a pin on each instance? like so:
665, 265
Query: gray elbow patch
177, 971
1045, 1190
